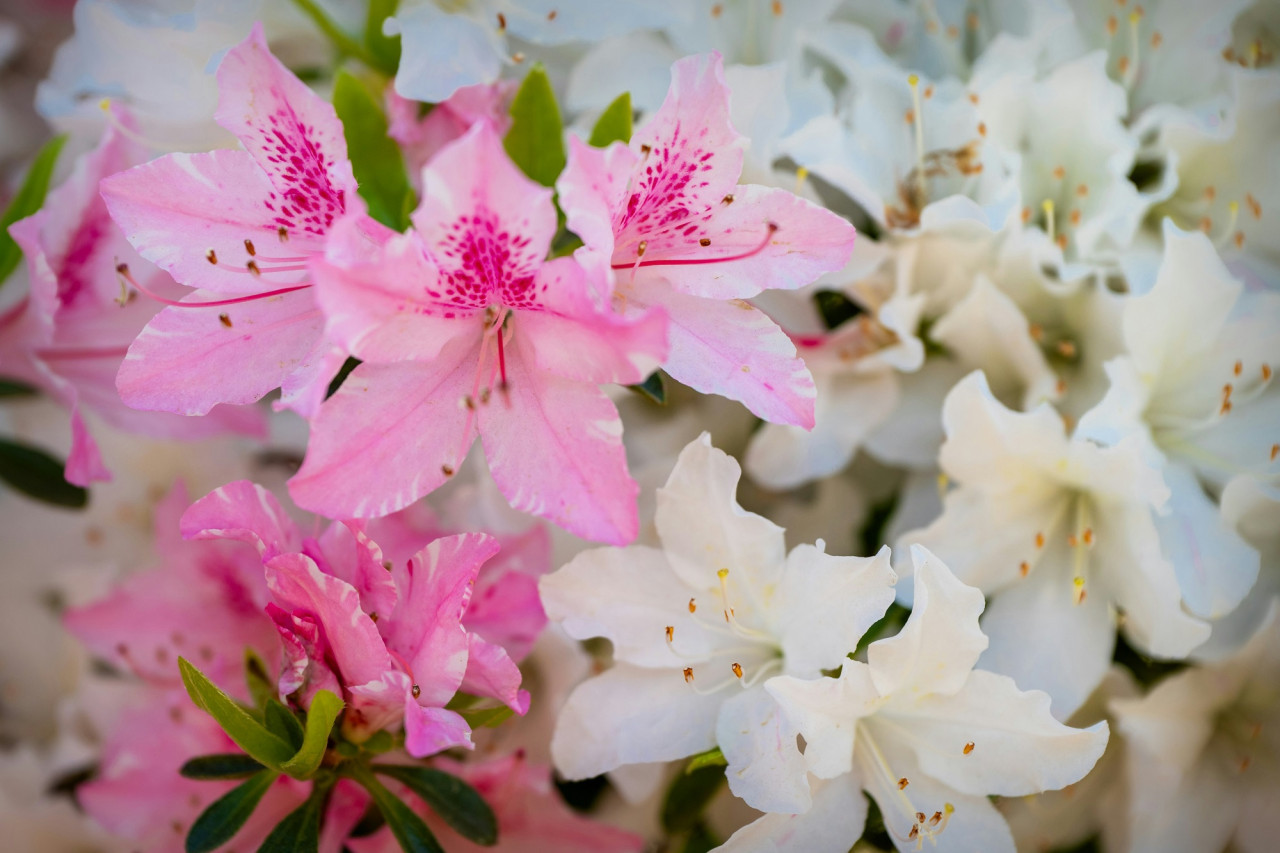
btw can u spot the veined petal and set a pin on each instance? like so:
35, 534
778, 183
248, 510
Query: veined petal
491, 672
245, 512
385, 438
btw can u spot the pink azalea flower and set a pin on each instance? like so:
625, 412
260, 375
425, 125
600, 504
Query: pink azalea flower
532, 817
240, 226
69, 335
466, 331
420, 136
387, 636
682, 235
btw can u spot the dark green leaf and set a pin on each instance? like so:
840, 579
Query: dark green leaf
835, 307
341, 40
219, 823
654, 388
347, 366
370, 822
582, 794
38, 475
299, 832
249, 734
325, 708
711, 758
536, 139
406, 826
871, 537
384, 49
376, 160
29, 199
486, 718
1146, 669
688, 796
886, 626
229, 765
700, 840
261, 688
15, 388
614, 124
458, 803
282, 723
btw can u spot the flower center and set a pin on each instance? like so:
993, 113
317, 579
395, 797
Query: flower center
908, 823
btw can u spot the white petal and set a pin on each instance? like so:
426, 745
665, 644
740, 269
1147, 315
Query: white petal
766, 769
837, 818
443, 52
935, 651
628, 715
826, 603
826, 711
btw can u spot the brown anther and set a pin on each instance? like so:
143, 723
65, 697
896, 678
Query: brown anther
248, 247
737, 670
1066, 349
417, 691
386, 564
1039, 540
1023, 568
1123, 65
968, 747
1228, 54
671, 632
1026, 215
1059, 173
1275, 451
1244, 763
910, 116
1238, 367
502, 21
1072, 541
225, 320
1087, 536
1156, 40
1254, 207
1061, 240
373, 617
704, 242
252, 267
1266, 373
1226, 391
928, 91
982, 128
646, 149
693, 605
920, 817
914, 833
640, 250
1210, 193
953, 32
776, 7
1226, 408
1112, 25
551, 16
688, 675
937, 817
971, 20
283, 234
973, 99
1075, 216
716, 10
211, 256
903, 783
517, 57
1206, 224
727, 199
1238, 239
447, 470
1061, 386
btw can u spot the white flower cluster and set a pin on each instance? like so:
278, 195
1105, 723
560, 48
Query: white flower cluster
1047, 425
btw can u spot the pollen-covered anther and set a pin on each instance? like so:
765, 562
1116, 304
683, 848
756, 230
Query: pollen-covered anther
1024, 568
502, 21
968, 747
642, 248
249, 247
252, 267
693, 606
903, 783
1067, 349
776, 8
737, 670
688, 675
1078, 592
728, 199
447, 470
417, 691
225, 320
1237, 368
211, 256
704, 242
283, 234
1275, 451
1039, 540
670, 632
1087, 536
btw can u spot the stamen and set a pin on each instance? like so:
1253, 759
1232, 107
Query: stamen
693, 606
968, 747
1047, 207
914, 82
283, 234
688, 675
417, 691
123, 271
676, 262
1129, 64
737, 670
903, 783
1233, 210
225, 319
252, 267
248, 247
671, 633
211, 256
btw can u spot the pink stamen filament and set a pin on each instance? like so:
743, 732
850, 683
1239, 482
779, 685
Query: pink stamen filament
675, 262
262, 270
404, 664
124, 272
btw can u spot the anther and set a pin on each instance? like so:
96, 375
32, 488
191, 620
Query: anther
737, 670
1266, 373
1059, 173
447, 470
704, 242
640, 249
211, 256
1039, 540
1067, 349
727, 199
502, 21
914, 82
417, 691
1087, 536
283, 234
968, 747
903, 783
551, 16
1238, 368
693, 606
777, 8
386, 564
717, 10
517, 57
248, 247
982, 128
688, 675
1275, 451
671, 633
252, 267
1024, 568
1254, 207
646, 149
1047, 207
225, 320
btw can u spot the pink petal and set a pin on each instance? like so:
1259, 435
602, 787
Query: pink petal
431, 730
348, 553
505, 606
244, 512
593, 190
305, 389
291, 132
554, 448
303, 668
734, 349
187, 360
84, 463
421, 138
492, 673
426, 627
376, 302
384, 439
299, 587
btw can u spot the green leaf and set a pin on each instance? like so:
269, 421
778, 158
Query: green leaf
406, 826
614, 124
700, 840
249, 734
376, 160
711, 758
261, 688
458, 803
384, 49
654, 388
38, 475
325, 708
299, 832
29, 199
688, 796
219, 823
282, 723
486, 718
343, 372
344, 43
229, 765
16, 388
835, 307
536, 139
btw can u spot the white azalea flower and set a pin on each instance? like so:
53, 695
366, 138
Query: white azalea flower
926, 735
697, 626
1202, 749
1061, 532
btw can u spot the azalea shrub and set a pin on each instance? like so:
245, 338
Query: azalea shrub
565, 426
